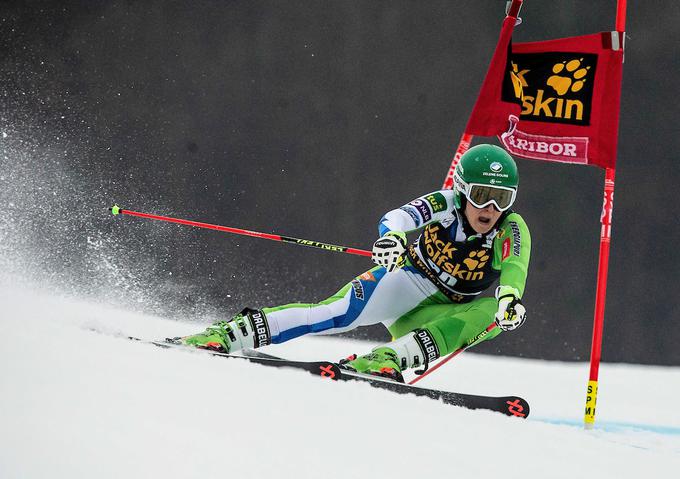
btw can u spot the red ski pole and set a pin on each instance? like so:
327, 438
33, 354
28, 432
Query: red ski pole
477, 339
117, 210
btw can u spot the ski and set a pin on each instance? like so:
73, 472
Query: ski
318, 368
508, 405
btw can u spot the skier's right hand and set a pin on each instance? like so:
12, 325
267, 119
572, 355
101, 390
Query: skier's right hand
388, 250
511, 312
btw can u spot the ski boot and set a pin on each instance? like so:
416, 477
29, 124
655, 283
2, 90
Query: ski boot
248, 329
415, 349
379, 362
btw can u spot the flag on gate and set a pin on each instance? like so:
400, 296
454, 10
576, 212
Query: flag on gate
556, 100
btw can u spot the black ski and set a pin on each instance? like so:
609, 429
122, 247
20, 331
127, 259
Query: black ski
508, 405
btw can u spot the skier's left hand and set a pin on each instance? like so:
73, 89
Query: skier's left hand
511, 312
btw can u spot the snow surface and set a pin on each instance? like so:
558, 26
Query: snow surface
78, 400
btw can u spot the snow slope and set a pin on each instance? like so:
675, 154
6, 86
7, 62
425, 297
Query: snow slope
77, 401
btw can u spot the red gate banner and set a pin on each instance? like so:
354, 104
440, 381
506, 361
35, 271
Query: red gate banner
556, 100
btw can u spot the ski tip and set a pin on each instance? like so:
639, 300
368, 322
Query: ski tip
115, 209
517, 407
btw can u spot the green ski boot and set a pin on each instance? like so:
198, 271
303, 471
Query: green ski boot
379, 362
248, 329
215, 337
415, 349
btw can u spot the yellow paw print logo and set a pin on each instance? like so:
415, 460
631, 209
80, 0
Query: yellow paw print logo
568, 76
476, 259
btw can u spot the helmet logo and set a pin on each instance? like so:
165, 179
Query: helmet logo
496, 167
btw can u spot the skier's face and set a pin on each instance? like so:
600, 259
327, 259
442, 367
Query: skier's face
481, 219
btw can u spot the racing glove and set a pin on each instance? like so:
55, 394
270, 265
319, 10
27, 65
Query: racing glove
511, 312
388, 250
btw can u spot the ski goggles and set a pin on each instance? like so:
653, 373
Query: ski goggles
482, 196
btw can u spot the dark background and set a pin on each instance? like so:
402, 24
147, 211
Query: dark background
311, 119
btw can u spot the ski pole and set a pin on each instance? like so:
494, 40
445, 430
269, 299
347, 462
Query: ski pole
477, 339
117, 210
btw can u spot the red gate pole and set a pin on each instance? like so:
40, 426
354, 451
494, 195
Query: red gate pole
602, 268
463, 146
512, 9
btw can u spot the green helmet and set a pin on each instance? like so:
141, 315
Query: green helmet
486, 174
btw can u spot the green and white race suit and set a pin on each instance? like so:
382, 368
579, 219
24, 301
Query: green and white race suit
438, 288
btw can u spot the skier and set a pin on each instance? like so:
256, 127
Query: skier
427, 293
